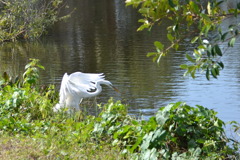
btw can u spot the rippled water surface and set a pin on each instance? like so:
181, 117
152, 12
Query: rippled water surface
101, 36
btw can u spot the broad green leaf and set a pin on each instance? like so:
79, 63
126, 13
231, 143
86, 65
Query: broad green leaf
223, 37
231, 42
194, 7
151, 54
170, 37
221, 64
214, 73
236, 32
141, 20
163, 115
190, 58
184, 66
193, 71
218, 50
142, 27
159, 45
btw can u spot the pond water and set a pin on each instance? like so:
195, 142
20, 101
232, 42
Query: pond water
101, 37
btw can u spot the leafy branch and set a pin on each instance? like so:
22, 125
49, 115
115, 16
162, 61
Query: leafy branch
27, 19
196, 19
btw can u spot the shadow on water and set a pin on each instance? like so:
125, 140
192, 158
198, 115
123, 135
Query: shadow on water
101, 36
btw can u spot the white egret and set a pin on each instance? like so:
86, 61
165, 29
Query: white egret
78, 85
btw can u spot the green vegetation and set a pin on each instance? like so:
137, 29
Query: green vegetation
30, 130
198, 22
27, 19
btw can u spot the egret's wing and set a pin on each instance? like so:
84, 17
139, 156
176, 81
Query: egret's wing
63, 88
69, 88
85, 81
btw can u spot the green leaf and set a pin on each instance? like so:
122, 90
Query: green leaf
159, 45
151, 54
205, 17
194, 7
184, 66
221, 64
197, 152
218, 50
213, 52
209, 8
214, 72
190, 58
223, 37
238, 5
193, 71
209, 50
170, 37
142, 27
170, 2
207, 74
194, 39
231, 42
236, 32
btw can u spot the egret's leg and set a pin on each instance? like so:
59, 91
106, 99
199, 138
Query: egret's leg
80, 103
80, 113
95, 105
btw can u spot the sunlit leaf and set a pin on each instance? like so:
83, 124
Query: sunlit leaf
159, 58
151, 54
159, 45
170, 37
184, 66
194, 7
194, 39
232, 42
209, 8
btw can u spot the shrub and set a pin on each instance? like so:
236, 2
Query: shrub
178, 131
27, 19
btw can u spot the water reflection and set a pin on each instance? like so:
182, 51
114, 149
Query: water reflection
101, 37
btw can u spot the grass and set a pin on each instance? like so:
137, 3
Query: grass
24, 147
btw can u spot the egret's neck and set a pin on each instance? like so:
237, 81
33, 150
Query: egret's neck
98, 88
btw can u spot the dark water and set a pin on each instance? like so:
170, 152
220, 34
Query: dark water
101, 36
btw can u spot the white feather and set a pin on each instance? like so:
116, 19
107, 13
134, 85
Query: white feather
78, 85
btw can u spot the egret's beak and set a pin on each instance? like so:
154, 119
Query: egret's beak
115, 89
